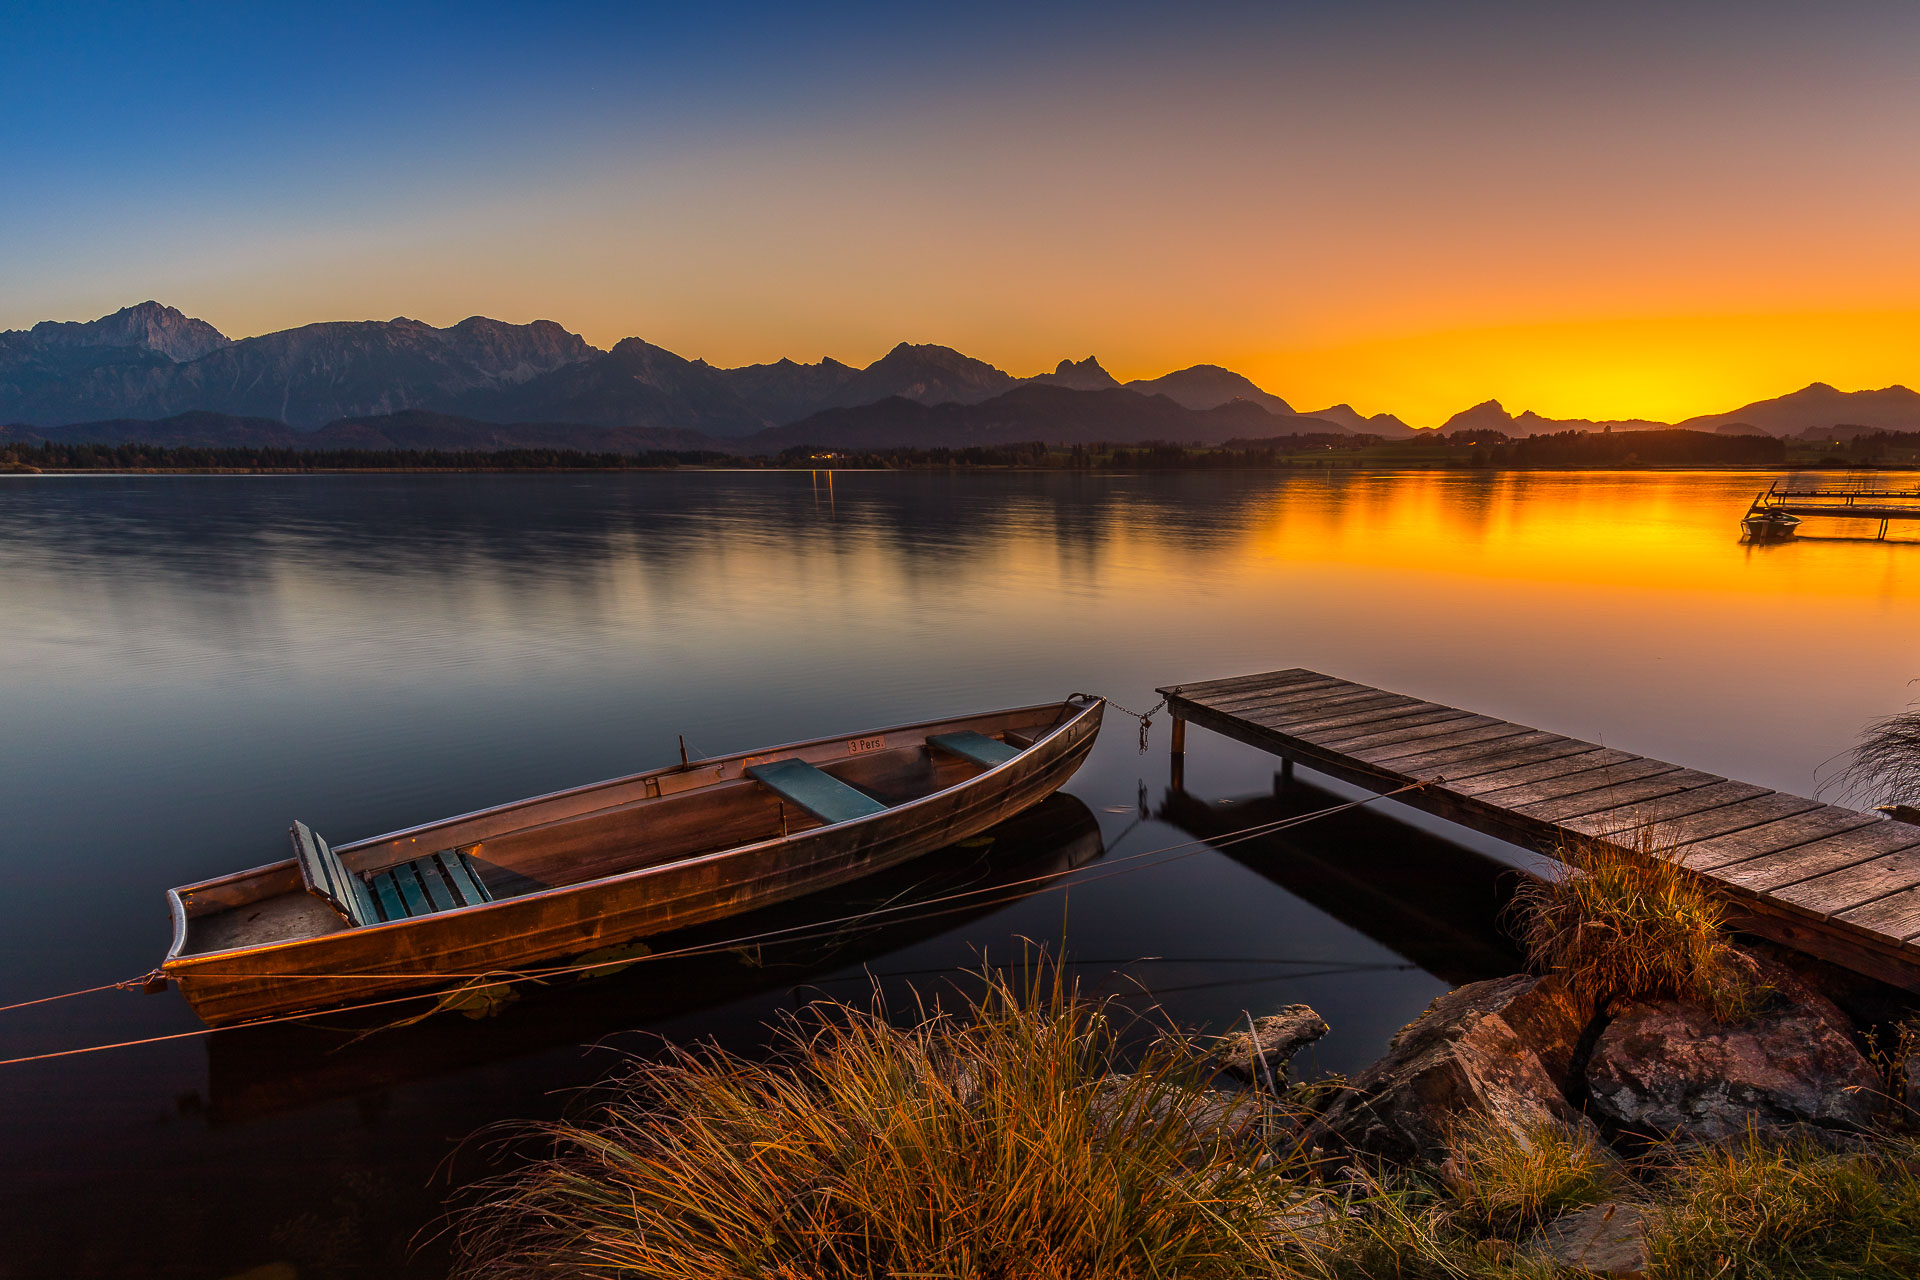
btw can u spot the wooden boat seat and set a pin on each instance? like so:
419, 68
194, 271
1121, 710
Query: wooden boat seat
970, 744
328, 879
438, 882
820, 794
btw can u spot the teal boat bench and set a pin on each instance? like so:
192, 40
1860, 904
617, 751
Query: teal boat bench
437, 882
820, 794
969, 744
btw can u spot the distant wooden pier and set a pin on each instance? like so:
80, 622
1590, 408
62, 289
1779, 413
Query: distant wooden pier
1883, 505
1835, 883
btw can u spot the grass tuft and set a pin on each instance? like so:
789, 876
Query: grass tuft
1757, 1210
998, 1144
1508, 1181
1631, 924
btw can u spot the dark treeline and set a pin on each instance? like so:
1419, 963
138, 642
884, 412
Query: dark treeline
1638, 448
1568, 449
147, 457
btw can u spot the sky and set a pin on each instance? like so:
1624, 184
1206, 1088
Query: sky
1610, 210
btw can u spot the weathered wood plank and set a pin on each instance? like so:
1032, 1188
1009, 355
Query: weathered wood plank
1616, 797
1201, 690
1747, 814
1569, 784
1855, 886
1654, 812
1374, 715
1532, 748
1365, 736
1388, 753
1819, 857
1558, 766
1803, 828
1245, 698
1302, 712
1896, 915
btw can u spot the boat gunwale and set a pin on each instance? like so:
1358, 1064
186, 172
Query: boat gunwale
193, 962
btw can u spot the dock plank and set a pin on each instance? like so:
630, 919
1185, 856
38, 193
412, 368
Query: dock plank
1819, 857
1368, 737
1742, 816
1856, 886
1387, 753
1310, 710
1558, 766
1231, 684
1656, 812
1616, 798
1322, 729
1897, 915
1788, 833
1834, 882
1533, 747
1254, 696
1576, 783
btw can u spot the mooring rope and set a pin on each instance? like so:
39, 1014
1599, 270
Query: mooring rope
804, 932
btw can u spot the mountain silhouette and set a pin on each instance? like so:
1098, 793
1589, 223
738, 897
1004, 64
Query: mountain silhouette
1821, 407
1384, 425
1204, 386
1081, 375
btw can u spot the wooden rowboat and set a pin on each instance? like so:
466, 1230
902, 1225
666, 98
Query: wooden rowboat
541, 881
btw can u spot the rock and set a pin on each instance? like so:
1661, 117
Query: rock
1671, 1070
1607, 1240
1208, 1113
1500, 1048
1279, 1035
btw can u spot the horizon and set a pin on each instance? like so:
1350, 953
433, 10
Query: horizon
1300, 406
1578, 213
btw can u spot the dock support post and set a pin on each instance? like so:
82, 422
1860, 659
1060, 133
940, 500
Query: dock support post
1178, 761
1284, 778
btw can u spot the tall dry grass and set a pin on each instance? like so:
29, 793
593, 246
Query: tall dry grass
1755, 1210
1508, 1180
996, 1144
1623, 920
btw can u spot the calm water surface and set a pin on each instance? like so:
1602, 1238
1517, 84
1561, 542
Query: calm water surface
192, 662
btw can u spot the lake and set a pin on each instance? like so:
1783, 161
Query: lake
192, 662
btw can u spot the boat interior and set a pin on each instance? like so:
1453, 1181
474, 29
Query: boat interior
588, 833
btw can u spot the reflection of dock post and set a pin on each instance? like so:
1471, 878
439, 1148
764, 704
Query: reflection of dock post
1178, 760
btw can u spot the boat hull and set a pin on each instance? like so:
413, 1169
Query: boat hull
549, 927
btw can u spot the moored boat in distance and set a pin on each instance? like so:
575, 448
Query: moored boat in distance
1764, 523
541, 881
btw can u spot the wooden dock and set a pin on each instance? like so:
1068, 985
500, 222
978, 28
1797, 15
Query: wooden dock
1843, 503
1832, 882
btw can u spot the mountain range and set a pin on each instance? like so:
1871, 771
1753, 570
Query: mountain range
150, 373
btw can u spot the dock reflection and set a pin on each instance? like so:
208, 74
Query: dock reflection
255, 1072
1435, 902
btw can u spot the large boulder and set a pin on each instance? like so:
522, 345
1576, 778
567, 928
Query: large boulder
1501, 1048
1261, 1053
1662, 1069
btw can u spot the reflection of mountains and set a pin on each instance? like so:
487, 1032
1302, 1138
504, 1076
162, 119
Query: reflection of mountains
253, 1072
538, 530
1430, 900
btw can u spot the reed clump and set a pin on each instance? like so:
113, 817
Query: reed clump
1624, 921
998, 1143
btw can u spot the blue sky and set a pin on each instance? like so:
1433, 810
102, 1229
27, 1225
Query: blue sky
1301, 189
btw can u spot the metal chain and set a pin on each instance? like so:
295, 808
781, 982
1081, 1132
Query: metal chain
1144, 717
